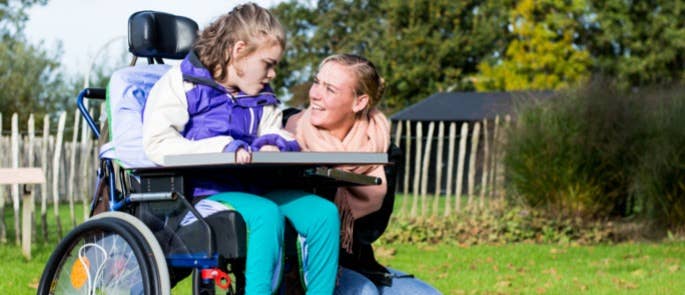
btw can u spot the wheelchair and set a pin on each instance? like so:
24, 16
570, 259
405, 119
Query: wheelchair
136, 241
133, 243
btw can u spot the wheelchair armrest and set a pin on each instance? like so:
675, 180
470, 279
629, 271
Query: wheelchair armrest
97, 93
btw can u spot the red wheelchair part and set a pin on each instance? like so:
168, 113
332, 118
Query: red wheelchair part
221, 279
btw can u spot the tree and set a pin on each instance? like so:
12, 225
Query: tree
544, 53
431, 46
639, 42
13, 15
29, 75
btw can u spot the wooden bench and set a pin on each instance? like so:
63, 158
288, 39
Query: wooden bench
24, 176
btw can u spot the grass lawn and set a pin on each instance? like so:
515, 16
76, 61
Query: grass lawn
640, 268
19, 275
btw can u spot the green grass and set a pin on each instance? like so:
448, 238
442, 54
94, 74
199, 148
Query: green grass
430, 199
549, 269
19, 275
640, 268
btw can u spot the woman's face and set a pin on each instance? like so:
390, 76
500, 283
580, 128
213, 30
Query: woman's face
332, 99
252, 72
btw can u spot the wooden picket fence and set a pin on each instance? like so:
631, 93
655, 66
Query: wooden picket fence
479, 142
69, 166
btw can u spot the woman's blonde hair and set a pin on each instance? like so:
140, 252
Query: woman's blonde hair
368, 80
247, 22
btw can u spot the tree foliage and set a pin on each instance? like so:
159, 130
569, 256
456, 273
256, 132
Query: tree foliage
13, 14
543, 54
431, 46
30, 78
639, 42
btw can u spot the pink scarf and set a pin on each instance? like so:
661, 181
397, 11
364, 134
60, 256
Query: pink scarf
370, 133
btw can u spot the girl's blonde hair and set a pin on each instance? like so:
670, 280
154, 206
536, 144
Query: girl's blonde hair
368, 80
248, 22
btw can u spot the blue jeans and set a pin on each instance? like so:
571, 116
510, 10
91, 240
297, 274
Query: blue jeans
352, 282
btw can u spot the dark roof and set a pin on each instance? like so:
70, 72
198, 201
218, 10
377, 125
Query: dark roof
465, 106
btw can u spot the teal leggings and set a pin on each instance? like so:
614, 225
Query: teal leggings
318, 226
316, 221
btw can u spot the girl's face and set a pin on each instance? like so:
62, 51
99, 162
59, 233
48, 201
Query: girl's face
333, 102
252, 72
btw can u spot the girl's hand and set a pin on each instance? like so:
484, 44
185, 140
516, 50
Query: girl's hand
242, 156
269, 148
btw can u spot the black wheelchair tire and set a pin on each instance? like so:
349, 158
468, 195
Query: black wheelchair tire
110, 225
152, 247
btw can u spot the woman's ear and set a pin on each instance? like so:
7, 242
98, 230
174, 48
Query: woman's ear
360, 103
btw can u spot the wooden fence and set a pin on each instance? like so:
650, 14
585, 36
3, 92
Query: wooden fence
479, 174
69, 166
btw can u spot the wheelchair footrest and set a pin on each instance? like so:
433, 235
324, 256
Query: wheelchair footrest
192, 261
150, 197
228, 233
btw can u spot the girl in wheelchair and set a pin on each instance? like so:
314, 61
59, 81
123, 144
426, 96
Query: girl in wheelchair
218, 99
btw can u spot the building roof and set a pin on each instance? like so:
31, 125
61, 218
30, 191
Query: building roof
465, 106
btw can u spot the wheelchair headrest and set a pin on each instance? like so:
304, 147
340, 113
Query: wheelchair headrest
159, 34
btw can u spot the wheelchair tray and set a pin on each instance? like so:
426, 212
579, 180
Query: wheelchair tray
314, 158
272, 169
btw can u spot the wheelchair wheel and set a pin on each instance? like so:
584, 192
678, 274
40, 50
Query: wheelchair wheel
105, 255
164, 284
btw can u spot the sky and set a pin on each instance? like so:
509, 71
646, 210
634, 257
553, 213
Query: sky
92, 30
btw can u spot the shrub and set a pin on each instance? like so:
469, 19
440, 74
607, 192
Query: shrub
515, 224
563, 153
601, 153
658, 188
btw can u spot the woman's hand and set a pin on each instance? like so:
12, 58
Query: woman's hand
269, 148
242, 156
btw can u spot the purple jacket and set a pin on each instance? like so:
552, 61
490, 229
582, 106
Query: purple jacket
213, 111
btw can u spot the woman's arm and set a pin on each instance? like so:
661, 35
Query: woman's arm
372, 195
165, 117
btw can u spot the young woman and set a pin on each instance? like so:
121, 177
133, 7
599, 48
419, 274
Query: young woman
342, 116
218, 99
